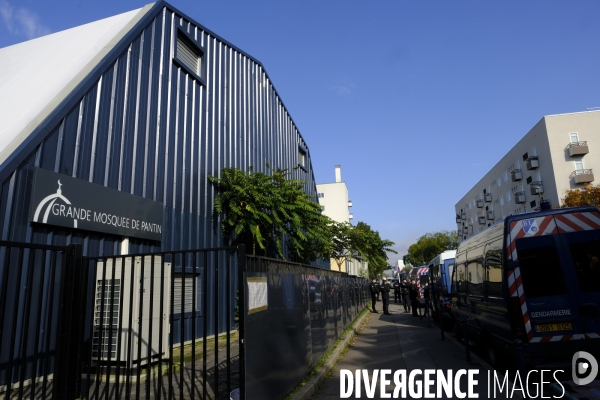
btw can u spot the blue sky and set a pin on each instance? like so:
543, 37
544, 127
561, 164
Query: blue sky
416, 100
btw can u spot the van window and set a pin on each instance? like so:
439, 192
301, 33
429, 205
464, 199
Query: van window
493, 273
586, 258
461, 286
540, 267
475, 276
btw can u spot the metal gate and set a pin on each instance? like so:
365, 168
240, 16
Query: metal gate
156, 325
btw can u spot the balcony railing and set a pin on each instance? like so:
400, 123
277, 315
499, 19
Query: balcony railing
479, 203
536, 188
487, 197
520, 197
516, 175
578, 148
532, 163
490, 214
582, 176
481, 219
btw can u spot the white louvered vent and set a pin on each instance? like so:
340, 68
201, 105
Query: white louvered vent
189, 290
188, 55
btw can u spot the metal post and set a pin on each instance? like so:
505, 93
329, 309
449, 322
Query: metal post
67, 367
466, 339
241, 255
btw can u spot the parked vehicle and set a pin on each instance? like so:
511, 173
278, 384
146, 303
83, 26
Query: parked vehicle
440, 276
533, 277
420, 275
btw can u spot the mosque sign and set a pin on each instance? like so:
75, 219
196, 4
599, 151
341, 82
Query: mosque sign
61, 200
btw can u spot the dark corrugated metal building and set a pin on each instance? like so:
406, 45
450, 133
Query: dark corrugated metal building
149, 103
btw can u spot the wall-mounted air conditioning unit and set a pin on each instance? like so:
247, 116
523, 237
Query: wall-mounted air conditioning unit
117, 308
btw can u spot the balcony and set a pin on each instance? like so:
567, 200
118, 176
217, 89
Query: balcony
532, 163
465, 230
487, 197
481, 219
582, 176
520, 197
536, 188
516, 175
490, 215
458, 219
463, 216
349, 203
479, 203
578, 148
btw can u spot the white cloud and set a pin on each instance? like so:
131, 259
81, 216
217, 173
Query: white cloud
21, 22
344, 90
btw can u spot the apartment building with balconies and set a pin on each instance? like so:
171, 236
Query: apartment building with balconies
560, 153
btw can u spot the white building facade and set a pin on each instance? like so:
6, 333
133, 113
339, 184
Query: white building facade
560, 153
335, 203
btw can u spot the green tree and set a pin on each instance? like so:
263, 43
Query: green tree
342, 245
589, 195
372, 248
260, 209
430, 245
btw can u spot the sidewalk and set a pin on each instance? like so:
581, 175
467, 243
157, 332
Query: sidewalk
403, 342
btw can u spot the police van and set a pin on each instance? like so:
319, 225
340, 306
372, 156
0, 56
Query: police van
533, 277
440, 274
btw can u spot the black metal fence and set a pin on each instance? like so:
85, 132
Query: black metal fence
295, 313
164, 325
160, 325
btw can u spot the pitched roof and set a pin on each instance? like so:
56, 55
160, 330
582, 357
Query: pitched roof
37, 75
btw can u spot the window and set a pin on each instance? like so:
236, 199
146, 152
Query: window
493, 269
532, 204
529, 180
586, 258
499, 182
574, 137
505, 176
501, 201
301, 157
475, 277
320, 195
540, 267
184, 284
461, 286
322, 208
525, 156
518, 164
534, 151
508, 196
579, 165
190, 56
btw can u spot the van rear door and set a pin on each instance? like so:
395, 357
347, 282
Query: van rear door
545, 280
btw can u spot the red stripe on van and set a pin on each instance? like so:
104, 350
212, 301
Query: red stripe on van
545, 222
571, 224
585, 218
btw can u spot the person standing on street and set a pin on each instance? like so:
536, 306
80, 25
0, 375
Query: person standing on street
397, 291
414, 297
375, 289
405, 289
385, 295
426, 296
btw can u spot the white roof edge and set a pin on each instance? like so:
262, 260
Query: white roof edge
569, 113
47, 110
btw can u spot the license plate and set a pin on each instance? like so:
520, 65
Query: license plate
553, 327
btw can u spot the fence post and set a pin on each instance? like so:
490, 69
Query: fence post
241, 256
67, 363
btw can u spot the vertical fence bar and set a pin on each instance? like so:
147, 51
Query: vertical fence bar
182, 328
150, 313
195, 281
216, 327
129, 363
171, 339
119, 337
50, 308
3, 295
100, 328
38, 325
25, 336
241, 259
140, 326
15, 313
228, 317
204, 320
160, 327
110, 304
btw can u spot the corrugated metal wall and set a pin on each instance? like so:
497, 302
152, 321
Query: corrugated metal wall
148, 128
